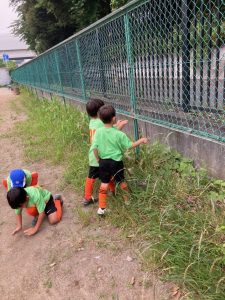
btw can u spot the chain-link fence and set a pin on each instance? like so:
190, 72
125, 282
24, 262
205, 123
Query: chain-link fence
161, 61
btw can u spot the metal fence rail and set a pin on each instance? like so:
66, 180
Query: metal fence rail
161, 61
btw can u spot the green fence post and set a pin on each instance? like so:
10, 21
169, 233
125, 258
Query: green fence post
68, 65
46, 75
81, 71
131, 74
57, 68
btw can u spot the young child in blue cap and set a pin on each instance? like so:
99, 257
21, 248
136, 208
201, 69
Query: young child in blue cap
20, 178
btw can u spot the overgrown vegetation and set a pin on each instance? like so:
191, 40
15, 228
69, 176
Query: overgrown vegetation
10, 65
176, 212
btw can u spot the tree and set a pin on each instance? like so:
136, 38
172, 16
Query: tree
118, 3
44, 23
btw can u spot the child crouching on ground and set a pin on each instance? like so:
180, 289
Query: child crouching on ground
109, 145
20, 178
38, 203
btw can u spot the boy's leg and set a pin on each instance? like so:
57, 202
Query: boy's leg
4, 183
104, 175
119, 178
112, 186
89, 185
124, 187
34, 178
103, 195
53, 210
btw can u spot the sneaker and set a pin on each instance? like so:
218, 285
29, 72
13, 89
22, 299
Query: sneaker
101, 211
34, 221
87, 202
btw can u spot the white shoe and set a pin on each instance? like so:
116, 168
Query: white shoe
101, 211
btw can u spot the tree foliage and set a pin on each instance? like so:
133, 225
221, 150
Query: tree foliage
44, 23
118, 3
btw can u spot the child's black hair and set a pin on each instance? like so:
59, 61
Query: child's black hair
106, 113
16, 197
92, 107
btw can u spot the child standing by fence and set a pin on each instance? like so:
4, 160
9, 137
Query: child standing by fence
109, 145
92, 108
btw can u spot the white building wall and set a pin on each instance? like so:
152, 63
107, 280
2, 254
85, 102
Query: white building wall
18, 53
4, 77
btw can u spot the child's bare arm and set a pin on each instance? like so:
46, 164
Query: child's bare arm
18, 224
139, 142
33, 230
120, 124
96, 154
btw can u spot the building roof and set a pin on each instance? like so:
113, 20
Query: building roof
11, 42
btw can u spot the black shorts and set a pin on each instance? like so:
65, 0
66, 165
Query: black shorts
50, 207
93, 172
111, 169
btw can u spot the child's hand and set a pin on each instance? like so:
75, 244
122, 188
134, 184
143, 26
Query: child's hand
144, 140
121, 123
16, 230
30, 231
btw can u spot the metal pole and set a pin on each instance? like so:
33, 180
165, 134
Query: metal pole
57, 68
131, 74
68, 65
81, 71
185, 30
209, 57
218, 44
100, 62
46, 74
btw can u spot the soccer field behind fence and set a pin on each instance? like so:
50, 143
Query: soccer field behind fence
161, 61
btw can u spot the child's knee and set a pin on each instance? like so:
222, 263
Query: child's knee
53, 219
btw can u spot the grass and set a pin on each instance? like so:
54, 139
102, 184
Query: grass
176, 213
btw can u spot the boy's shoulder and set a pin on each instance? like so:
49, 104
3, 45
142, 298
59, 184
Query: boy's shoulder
95, 123
112, 131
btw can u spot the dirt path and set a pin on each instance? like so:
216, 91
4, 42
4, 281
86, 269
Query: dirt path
66, 261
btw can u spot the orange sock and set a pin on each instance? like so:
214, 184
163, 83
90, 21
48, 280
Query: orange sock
102, 197
112, 186
58, 205
124, 187
88, 190
34, 178
4, 182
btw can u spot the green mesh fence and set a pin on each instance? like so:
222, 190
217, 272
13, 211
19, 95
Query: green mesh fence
161, 61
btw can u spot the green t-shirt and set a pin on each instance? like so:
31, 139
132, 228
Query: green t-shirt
111, 143
38, 198
28, 179
93, 126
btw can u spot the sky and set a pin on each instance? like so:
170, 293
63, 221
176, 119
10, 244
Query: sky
7, 16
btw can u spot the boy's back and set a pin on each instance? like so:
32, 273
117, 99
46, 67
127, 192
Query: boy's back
111, 143
37, 199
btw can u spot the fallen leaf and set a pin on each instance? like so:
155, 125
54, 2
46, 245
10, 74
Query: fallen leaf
130, 236
53, 264
129, 258
175, 292
132, 282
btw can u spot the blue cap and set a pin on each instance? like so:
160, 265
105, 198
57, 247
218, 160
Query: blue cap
17, 178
